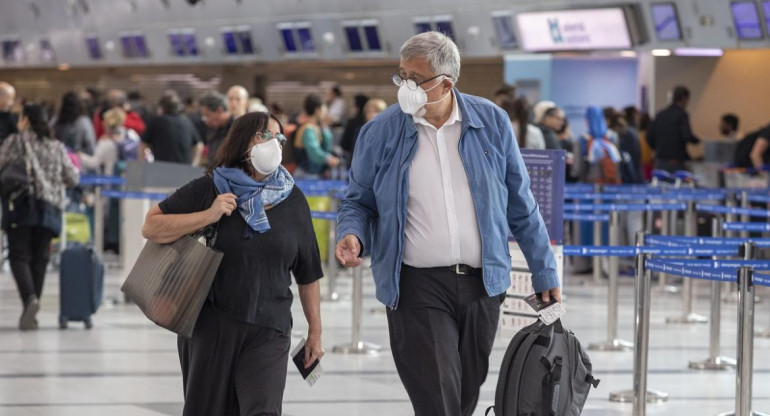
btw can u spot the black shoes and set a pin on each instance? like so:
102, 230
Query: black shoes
27, 320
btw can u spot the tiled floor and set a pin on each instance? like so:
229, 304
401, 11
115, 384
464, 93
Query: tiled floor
127, 366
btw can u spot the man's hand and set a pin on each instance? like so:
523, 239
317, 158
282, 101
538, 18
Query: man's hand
313, 350
347, 251
555, 293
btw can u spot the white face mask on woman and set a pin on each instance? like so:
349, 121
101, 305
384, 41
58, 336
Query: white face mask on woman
414, 101
266, 157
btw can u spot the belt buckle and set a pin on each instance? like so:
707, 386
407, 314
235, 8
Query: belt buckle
458, 270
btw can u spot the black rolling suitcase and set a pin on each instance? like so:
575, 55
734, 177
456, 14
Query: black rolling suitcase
81, 284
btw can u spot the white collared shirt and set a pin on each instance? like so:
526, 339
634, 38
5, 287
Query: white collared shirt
441, 224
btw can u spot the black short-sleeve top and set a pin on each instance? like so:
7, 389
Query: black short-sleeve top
253, 281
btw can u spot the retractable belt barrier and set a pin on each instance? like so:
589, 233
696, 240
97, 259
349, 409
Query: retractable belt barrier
153, 196
320, 215
674, 241
625, 207
718, 209
746, 226
758, 198
630, 251
93, 180
696, 272
572, 216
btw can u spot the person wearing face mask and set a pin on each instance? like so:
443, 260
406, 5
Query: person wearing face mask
437, 184
235, 362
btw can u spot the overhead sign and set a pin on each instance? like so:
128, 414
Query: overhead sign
574, 30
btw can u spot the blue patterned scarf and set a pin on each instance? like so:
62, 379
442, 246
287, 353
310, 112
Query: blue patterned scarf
252, 196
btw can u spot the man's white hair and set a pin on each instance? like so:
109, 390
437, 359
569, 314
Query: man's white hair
438, 50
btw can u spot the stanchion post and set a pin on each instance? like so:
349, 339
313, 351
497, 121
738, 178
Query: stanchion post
98, 220
743, 374
745, 218
613, 343
714, 360
688, 317
732, 295
356, 346
597, 261
332, 266
639, 395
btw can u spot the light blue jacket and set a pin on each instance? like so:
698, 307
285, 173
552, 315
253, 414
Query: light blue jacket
374, 209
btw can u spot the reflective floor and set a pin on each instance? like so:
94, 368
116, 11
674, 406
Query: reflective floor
127, 366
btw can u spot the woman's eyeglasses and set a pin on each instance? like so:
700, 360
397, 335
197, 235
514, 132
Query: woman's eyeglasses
266, 136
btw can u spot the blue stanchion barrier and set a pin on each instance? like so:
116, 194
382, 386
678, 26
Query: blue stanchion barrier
719, 264
632, 189
578, 187
625, 207
572, 216
93, 180
605, 196
154, 196
718, 209
331, 216
761, 279
746, 226
664, 240
697, 196
765, 199
630, 251
721, 275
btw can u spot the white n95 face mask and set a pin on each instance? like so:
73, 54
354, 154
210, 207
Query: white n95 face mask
266, 157
413, 102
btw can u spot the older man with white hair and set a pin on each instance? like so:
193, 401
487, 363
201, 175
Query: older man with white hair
8, 120
437, 184
238, 100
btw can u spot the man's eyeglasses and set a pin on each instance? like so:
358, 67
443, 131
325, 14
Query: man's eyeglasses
266, 136
411, 83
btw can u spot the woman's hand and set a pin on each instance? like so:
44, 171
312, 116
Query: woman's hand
313, 350
225, 204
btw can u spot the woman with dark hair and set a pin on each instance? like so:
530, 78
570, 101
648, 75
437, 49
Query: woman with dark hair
32, 214
235, 362
72, 127
529, 137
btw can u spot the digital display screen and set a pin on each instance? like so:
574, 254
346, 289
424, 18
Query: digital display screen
506, 37
46, 51
140, 46
127, 46
422, 27
305, 39
94, 49
190, 43
445, 27
288, 40
666, 21
229, 40
244, 36
177, 44
746, 19
354, 39
12, 50
372, 38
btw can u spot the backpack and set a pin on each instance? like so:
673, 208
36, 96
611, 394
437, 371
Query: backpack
128, 146
545, 372
742, 157
603, 163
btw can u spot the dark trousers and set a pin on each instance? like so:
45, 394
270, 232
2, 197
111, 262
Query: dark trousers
670, 165
441, 335
233, 368
29, 249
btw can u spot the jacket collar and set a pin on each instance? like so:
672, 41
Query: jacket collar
469, 117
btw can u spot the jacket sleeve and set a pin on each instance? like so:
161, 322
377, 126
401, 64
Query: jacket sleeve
70, 174
685, 131
523, 215
359, 207
8, 151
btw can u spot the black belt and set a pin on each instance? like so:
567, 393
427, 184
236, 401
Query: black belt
465, 269
458, 269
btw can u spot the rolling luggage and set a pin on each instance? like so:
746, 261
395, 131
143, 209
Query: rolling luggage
81, 284
545, 372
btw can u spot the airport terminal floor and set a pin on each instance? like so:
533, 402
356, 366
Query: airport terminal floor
126, 366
